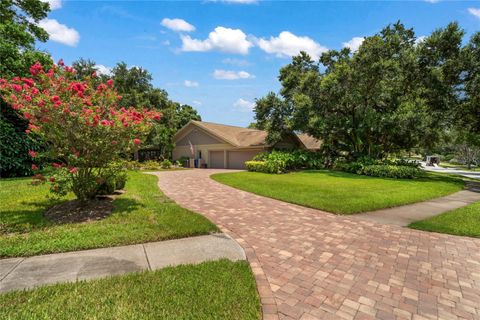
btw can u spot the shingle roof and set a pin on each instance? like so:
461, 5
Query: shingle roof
245, 137
310, 142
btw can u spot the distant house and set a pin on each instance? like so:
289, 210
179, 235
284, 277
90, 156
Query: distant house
223, 146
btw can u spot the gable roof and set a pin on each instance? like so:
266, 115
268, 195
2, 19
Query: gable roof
309, 142
242, 137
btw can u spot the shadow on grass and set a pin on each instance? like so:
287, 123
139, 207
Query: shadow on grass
24, 221
126, 205
428, 177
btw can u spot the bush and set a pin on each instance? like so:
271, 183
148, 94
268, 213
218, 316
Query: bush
150, 165
166, 164
282, 161
392, 171
132, 165
270, 166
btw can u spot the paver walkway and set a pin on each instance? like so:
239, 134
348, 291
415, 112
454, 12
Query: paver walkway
23, 273
404, 215
314, 265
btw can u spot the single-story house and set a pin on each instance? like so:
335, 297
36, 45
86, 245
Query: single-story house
224, 146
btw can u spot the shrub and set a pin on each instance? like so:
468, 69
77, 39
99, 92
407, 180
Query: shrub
166, 164
270, 166
85, 129
282, 161
150, 165
132, 165
392, 171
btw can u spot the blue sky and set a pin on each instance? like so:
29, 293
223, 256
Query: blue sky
218, 56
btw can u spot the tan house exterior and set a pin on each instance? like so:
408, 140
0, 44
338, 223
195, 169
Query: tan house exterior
228, 147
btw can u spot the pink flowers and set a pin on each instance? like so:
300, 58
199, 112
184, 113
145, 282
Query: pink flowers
34, 167
17, 87
29, 82
85, 127
36, 69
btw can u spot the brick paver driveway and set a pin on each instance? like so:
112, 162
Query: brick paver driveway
314, 265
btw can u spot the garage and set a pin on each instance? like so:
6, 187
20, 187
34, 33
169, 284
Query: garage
216, 159
236, 159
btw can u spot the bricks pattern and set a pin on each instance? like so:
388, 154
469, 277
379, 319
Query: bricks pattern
311, 264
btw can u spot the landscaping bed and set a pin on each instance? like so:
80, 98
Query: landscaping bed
211, 290
462, 222
142, 214
341, 192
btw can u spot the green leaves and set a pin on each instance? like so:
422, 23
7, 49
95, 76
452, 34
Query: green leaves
393, 94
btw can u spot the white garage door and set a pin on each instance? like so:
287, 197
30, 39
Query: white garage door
236, 159
216, 159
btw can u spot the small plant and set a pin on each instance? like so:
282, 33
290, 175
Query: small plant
150, 165
166, 164
85, 129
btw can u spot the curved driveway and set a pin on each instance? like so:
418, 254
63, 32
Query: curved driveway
311, 264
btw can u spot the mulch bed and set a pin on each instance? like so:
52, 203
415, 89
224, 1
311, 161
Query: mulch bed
76, 211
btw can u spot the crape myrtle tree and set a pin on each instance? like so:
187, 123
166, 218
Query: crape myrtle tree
393, 94
18, 32
135, 86
81, 122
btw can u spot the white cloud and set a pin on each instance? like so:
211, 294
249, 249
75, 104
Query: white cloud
432, 1
197, 103
59, 32
287, 45
232, 75
221, 39
236, 1
236, 62
101, 69
190, 84
474, 11
244, 105
420, 39
179, 25
354, 43
54, 4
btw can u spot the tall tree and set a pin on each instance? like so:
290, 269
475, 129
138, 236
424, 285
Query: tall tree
393, 94
18, 32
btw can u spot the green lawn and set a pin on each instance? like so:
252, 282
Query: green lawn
340, 192
457, 166
142, 214
463, 222
212, 290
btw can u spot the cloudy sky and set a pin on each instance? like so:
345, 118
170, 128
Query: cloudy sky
218, 56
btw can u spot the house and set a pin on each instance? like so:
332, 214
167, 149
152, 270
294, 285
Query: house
224, 146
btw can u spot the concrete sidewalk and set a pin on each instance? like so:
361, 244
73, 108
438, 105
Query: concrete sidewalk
25, 273
404, 215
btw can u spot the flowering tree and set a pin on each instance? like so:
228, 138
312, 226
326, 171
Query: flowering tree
84, 128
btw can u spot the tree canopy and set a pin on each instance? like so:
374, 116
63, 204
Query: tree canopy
395, 93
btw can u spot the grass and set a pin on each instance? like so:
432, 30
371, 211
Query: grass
212, 290
143, 213
458, 166
339, 192
462, 222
